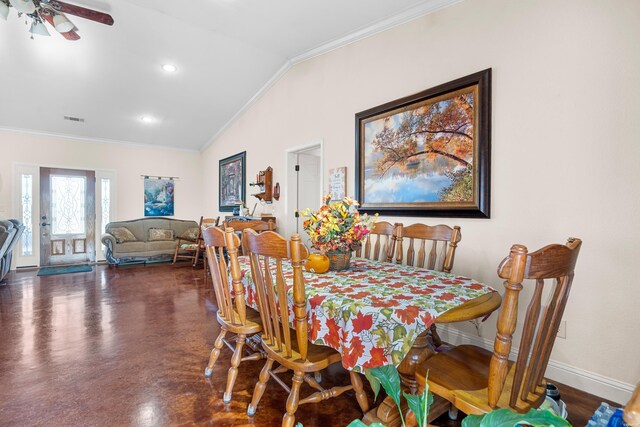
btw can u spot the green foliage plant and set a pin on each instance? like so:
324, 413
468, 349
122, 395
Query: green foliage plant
507, 418
388, 377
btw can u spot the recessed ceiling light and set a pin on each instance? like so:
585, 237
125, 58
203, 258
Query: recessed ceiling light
169, 68
147, 119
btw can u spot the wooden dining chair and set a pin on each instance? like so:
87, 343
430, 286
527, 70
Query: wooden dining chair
254, 224
476, 380
380, 243
287, 342
191, 247
431, 247
233, 316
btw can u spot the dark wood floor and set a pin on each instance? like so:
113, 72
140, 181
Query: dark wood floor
128, 346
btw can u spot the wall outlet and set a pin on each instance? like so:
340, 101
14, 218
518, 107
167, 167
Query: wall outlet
562, 330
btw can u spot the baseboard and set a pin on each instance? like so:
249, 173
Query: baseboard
599, 385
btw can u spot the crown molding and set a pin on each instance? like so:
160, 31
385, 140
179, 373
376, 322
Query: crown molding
93, 140
378, 27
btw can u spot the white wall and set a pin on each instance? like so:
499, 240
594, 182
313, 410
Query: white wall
565, 146
127, 161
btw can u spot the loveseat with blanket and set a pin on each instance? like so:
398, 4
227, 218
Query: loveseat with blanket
145, 239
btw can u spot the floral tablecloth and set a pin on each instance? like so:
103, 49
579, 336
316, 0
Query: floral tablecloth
373, 312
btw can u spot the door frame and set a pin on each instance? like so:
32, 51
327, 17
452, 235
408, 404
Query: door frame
290, 179
20, 168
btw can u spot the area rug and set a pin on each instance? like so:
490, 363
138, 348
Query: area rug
50, 271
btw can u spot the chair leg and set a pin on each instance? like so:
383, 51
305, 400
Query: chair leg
233, 370
215, 352
289, 418
195, 258
361, 396
175, 254
261, 385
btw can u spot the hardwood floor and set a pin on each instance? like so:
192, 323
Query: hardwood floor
128, 346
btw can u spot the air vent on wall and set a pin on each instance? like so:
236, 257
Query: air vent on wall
74, 119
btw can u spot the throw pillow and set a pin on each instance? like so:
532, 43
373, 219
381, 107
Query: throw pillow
122, 234
160, 234
190, 234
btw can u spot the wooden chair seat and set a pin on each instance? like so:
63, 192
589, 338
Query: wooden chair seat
252, 325
461, 376
188, 247
318, 356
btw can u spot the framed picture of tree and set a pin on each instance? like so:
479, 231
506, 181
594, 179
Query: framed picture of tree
428, 154
231, 182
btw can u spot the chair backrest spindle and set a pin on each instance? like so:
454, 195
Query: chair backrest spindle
231, 309
379, 245
439, 255
267, 251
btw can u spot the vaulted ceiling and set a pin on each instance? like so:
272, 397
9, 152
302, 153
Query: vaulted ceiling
225, 52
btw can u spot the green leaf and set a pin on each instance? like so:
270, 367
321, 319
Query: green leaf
375, 383
415, 404
387, 312
508, 418
390, 380
399, 332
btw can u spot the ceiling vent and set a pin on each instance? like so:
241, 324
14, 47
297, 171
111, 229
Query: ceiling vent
74, 119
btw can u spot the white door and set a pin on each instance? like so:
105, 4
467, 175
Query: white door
308, 188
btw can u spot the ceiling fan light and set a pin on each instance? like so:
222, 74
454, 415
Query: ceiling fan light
38, 28
24, 6
62, 24
4, 10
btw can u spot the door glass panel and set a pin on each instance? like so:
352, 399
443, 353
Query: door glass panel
67, 204
106, 202
27, 207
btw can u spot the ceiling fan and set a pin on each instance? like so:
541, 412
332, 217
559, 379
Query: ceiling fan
53, 12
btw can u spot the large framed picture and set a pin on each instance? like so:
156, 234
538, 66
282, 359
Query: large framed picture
428, 154
231, 183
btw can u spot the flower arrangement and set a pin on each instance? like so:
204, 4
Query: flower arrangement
337, 226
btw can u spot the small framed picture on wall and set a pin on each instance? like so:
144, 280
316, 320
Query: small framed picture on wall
338, 183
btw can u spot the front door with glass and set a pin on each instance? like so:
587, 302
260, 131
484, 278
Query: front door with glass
67, 216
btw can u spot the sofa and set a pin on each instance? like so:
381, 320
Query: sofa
10, 233
145, 240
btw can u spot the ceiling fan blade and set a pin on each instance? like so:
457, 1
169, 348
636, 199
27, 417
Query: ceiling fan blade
82, 12
69, 35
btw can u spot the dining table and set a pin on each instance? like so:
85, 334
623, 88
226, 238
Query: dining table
377, 313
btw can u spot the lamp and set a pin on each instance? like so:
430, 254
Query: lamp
24, 6
37, 27
62, 24
4, 10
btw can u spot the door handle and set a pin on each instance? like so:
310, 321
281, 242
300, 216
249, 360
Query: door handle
44, 224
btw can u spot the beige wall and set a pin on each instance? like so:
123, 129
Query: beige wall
565, 146
127, 161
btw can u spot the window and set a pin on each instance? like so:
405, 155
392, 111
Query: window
27, 210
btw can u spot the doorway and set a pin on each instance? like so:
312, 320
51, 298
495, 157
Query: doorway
67, 216
304, 189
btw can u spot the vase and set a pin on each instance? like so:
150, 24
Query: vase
339, 260
317, 263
